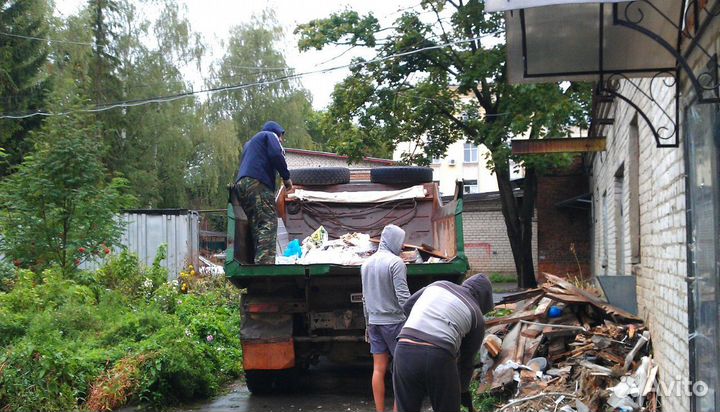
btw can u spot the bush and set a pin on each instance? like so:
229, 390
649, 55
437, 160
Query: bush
119, 335
8, 275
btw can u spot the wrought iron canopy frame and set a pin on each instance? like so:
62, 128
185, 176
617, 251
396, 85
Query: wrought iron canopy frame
692, 21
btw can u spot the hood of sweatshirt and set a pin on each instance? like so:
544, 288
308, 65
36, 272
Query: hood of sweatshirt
273, 127
392, 239
481, 289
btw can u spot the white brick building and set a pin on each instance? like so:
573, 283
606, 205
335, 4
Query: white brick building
656, 211
639, 229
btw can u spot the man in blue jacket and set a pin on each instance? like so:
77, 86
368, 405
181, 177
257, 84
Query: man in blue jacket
263, 155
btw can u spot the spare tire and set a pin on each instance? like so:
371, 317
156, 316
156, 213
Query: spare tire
401, 174
319, 176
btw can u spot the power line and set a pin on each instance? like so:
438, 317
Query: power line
20, 36
174, 97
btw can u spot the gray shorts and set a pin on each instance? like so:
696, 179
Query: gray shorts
383, 338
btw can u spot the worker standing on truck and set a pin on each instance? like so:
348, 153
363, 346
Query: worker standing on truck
385, 291
438, 343
263, 155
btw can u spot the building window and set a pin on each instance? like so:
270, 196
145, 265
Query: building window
604, 211
619, 222
471, 186
471, 153
634, 188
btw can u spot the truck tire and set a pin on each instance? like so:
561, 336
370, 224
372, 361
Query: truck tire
401, 174
267, 382
320, 176
260, 382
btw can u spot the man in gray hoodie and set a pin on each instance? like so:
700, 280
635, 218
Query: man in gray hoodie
385, 291
437, 345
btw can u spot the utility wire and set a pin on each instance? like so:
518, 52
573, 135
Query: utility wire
174, 97
45, 39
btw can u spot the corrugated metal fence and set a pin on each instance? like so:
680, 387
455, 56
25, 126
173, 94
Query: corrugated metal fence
146, 230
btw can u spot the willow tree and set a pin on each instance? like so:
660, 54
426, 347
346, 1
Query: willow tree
253, 58
439, 76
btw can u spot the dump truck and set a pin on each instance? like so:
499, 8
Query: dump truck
294, 314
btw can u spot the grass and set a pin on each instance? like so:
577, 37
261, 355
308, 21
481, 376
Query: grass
483, 401
496, 277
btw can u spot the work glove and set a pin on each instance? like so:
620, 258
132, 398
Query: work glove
288, 184
466, 401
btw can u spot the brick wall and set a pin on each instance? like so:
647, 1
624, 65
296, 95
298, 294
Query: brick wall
560, 227
661, 269
486, 241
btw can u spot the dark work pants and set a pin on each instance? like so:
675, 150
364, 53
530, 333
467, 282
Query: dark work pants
420, 371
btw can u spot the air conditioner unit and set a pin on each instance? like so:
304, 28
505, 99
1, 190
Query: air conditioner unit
452, 162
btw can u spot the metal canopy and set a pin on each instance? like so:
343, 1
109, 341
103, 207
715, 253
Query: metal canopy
607, 42
583, 42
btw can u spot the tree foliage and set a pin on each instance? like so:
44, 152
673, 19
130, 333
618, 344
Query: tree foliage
23, 80
253, 59
59, 206
214, 164
441, 79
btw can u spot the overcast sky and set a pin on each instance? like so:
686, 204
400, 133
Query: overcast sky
214, 18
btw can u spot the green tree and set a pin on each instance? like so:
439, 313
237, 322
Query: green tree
253, 59
439, 77
152, 144
213, 165
59, 206
133, 58
23, 80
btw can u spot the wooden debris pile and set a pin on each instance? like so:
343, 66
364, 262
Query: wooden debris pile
562, 348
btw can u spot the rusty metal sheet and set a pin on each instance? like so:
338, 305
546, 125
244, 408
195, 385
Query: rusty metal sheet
561, 145
268, 356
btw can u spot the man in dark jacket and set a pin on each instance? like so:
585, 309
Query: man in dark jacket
436, 347
263, 155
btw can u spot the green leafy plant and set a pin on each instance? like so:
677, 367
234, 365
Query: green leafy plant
59, 205
99, 340
8, 276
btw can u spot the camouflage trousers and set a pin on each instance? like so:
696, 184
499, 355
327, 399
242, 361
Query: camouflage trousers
258, 202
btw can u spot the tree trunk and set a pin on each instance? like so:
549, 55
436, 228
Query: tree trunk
518, 214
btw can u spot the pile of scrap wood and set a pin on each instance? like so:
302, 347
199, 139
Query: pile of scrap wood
562, 348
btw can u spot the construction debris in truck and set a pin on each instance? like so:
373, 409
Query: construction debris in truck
350, 249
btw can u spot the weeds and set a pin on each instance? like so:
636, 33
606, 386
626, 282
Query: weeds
123, 334
496, 277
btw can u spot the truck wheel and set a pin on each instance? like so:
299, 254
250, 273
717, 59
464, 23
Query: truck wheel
260, 382
266, 382
401, 174
320, 176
